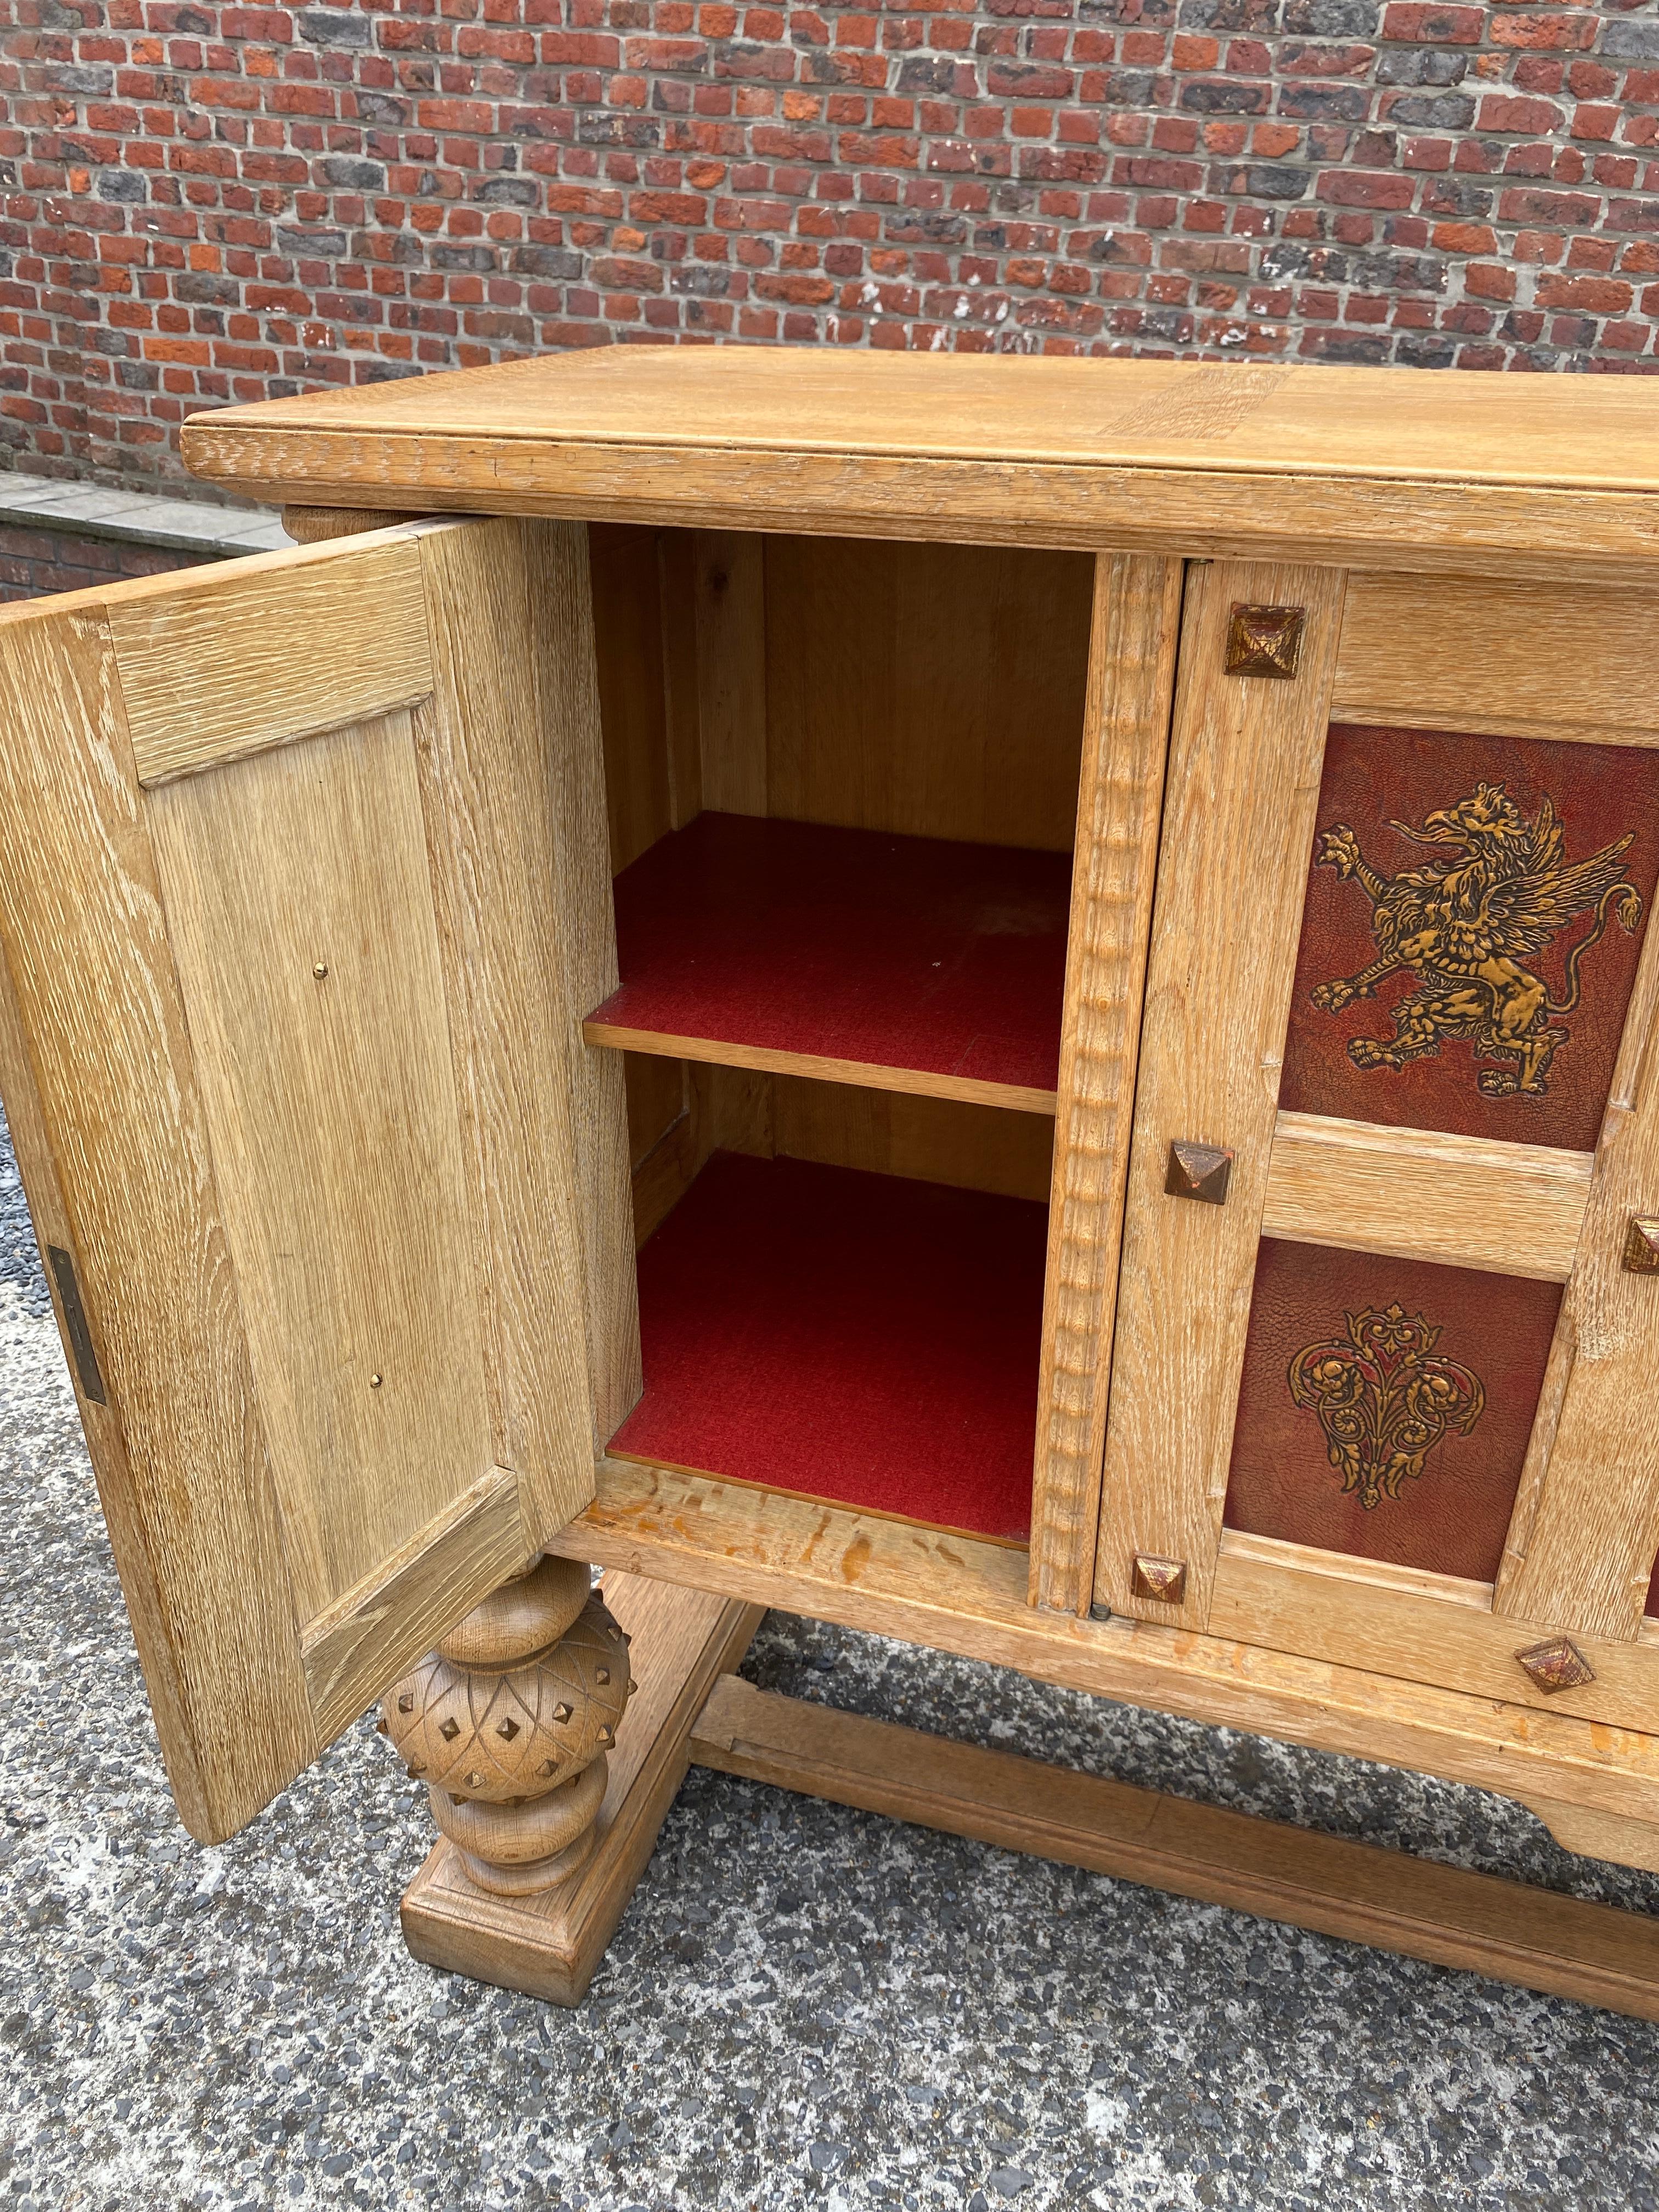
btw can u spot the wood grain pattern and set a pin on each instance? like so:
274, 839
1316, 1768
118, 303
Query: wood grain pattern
332, 1111
1236, 461
1249, 419
550, 1944
1137, 616
1418, 1194
1016, 1097
1599, 1836
1243, 780
106, 1444
929, 1140
253, 655
1426, 526
677, 585
559, 644
959, 1595
180, 1448
628, 648
377, 1631
926, 690
482, 754
729, 582
1414, 1626
1526, 661
1480, 1922
1585, 1530
317, 525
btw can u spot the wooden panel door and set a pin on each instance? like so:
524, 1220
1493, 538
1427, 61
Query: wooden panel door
1386, 1360
303, 895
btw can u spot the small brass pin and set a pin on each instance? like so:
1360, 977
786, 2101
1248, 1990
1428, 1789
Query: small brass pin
320, 969
375, 1380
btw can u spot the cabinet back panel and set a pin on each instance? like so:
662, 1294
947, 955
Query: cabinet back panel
925, 1139
628, 640
934, 690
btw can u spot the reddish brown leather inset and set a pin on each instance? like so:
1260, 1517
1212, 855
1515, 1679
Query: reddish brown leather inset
1453, 1517
1375, 777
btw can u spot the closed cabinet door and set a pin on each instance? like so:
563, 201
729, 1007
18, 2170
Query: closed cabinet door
301, 897
1385, 1388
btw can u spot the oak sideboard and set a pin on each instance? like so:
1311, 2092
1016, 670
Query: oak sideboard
1007, 1000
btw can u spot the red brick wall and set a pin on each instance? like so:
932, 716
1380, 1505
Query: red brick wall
205, 202
33, 560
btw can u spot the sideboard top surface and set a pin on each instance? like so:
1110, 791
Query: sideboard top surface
1048, 449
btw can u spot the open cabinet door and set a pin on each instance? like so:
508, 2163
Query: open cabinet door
303, 892
1383, 1390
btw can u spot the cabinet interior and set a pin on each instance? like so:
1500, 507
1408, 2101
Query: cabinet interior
841, 787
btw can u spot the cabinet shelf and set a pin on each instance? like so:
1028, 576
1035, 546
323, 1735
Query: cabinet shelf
906, 964
852, 1337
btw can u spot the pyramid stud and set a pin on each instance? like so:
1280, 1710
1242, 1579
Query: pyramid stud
548, 1767
449, 1729
1556, 1665
561, 1712
1642, 1245
406, 1703
1264, 641
1200, 1171
607, 1736
1162, 1581
382, 1727
507, 1730
415, 1772
601, 1675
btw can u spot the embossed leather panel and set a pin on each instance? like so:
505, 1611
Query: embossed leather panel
1477, 1026
1381, 1394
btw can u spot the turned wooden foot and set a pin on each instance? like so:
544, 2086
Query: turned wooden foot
508, 1722
548, 1801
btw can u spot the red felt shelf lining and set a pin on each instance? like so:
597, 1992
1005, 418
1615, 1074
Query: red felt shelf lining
858, 1338
902, 952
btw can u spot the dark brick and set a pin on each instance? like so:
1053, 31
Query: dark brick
1420, 65
1332, 19
1222, 96
346, 170
1446, 111
330, 244
1324, 103
1630, 41
561, 262
1272, 181
196, 287
509, 191
322, 27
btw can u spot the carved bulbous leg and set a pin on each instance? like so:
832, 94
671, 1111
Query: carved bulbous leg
508, 1722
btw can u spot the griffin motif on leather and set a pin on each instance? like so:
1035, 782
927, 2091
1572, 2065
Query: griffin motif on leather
1467, 928
1385, 1398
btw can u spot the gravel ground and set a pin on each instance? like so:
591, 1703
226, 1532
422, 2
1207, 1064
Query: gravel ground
804, 2005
